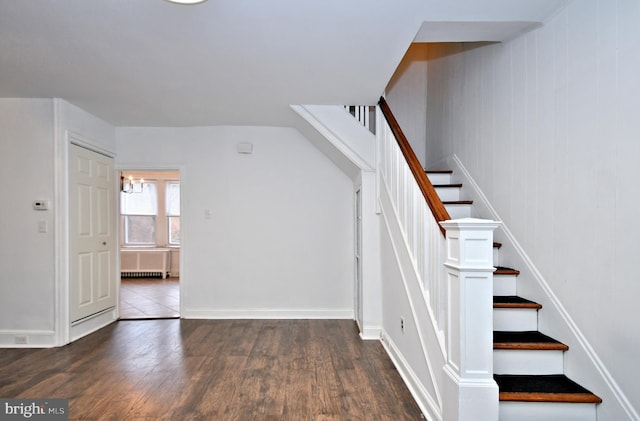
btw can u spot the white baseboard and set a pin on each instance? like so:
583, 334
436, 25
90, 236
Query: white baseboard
370, 333
31, 338
268, 314
428, 406
91, 324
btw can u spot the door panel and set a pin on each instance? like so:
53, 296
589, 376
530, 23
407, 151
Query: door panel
92, 236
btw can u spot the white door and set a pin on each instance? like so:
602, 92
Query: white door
92, 238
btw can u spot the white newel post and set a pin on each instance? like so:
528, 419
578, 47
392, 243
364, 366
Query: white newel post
470, 393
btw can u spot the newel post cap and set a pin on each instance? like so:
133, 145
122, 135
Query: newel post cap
470, 224
469, 243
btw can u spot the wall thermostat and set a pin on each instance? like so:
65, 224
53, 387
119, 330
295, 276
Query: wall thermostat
40, 205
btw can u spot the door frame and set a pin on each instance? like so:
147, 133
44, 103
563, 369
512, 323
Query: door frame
119, 168
358, 287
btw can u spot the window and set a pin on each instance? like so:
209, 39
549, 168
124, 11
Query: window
173, 212
139, 211
151, 217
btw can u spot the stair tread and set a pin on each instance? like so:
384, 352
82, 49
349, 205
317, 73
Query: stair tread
542, 388
513, 301
457, 202
439, 171
497, 245
447, 186
526, 340
501, 270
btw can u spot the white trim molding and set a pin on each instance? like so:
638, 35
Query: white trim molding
17, 338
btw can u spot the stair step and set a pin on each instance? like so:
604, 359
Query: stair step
515, 319
458, 209
527, 340
439, 176
448, 192
542, 388
447, 186
496, 253
505, 285
513, 301
504, 281
552, 411
528, 361
514, 314
501, 270
457, 202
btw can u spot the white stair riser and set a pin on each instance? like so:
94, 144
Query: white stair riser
547, 411
458, 211
504, 285
496, 256
506, 361
515, 319
439, 178
448, 193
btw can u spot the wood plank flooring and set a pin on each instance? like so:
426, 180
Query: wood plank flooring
215, 370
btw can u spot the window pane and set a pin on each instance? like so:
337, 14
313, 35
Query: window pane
144, 203
174, 229
173, 198
140, 229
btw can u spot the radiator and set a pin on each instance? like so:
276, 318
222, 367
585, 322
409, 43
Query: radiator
144, 262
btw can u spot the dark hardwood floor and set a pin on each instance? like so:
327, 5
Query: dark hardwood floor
214, 370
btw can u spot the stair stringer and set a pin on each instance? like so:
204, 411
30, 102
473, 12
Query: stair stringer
418, 352
581, 363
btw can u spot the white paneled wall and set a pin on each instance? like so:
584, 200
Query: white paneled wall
548, 125
406, 95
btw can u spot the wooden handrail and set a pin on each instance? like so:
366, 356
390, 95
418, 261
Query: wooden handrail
433, 200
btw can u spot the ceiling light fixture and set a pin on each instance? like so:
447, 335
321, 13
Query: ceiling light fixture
129, 185
187, 1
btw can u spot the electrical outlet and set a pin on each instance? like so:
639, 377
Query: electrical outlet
21, 340
402, 324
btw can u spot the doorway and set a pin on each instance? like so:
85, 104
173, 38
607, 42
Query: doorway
149, 244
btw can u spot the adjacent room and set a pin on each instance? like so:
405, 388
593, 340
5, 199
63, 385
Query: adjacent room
149, 245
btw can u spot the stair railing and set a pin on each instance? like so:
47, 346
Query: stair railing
418, 206
453, 261
364, 114
428, 191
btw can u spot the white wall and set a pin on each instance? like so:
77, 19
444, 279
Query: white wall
33, 161
548, 126
26, 255
280, 239
406, 95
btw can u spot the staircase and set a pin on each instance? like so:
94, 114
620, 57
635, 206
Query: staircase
528, 365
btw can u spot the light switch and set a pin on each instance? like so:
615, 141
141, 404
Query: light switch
208, 213
43, 227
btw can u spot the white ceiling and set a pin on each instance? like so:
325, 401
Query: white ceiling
239, 62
